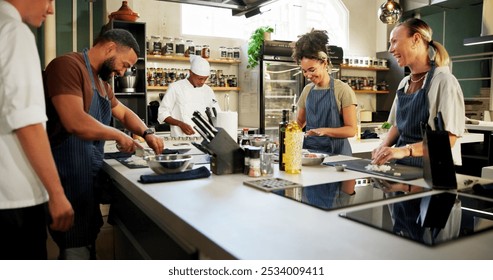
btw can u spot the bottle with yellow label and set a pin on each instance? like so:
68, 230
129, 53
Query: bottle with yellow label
293, 143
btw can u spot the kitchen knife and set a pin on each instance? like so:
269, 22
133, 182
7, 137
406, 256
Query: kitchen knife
201, 148
439, 125
205, 123
208, 112
208, 135
215, 111
201, 134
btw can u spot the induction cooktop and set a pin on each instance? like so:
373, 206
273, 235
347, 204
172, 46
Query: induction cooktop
429, 220
329, 196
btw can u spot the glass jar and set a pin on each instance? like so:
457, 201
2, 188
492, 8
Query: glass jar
230, 53
179, 47
155, 44
206, 51
168, 47
236, 53
189, 48
198, 50
223, 52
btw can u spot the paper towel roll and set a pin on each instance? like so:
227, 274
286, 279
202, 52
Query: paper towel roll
229, 122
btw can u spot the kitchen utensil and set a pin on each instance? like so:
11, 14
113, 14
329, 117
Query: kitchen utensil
208, 112
397, 171
207, 133
205, 123
199, 131
313, 158
162, 164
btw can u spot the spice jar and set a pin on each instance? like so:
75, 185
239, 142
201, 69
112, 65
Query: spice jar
236, 53
230, 53
223, 52
206, 51
155, 44
254, 162
189, 48
168, 47
198, 50
179, 47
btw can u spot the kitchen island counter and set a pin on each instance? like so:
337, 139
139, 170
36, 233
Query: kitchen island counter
220, 218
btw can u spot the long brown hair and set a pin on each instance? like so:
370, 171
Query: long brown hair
415, 25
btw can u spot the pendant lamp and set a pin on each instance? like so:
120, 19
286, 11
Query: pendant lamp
390, 12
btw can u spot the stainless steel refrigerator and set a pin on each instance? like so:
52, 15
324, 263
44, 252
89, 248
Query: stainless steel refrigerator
266, 91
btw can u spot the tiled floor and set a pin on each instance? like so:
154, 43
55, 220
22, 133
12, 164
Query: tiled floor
104, 243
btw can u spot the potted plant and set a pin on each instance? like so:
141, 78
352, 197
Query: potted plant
255, 45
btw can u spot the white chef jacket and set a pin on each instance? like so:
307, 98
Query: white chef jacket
21, 104
181, 100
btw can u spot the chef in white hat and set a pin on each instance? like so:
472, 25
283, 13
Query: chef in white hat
186, 96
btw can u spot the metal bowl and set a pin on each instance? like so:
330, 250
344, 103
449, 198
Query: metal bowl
340, 167
313, 158
162, 164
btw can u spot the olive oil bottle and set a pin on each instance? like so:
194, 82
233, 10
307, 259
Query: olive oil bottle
282, 135
293, 143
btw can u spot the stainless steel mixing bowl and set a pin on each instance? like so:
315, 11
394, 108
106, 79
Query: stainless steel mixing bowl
162, 164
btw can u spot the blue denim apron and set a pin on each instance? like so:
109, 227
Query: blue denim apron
322, 111
412, 111
78, 161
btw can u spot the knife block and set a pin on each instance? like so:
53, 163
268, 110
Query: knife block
438, 164
227, 157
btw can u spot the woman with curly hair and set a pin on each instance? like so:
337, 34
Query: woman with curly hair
327, 106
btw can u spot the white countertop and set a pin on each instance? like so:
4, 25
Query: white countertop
225, 219
367, 145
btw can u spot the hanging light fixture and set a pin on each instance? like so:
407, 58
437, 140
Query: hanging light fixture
390, 12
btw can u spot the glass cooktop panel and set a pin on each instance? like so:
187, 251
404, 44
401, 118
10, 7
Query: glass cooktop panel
329, 196
429, 220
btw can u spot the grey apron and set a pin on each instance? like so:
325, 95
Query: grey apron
322, 111
78, 161
412, 111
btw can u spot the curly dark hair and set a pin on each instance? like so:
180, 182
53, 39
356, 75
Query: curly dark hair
310, 45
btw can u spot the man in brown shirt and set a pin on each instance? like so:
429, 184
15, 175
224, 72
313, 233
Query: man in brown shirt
80, 106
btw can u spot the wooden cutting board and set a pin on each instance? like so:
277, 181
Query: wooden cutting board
398, 171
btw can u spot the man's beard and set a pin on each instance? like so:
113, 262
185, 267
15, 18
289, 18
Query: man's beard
107, 69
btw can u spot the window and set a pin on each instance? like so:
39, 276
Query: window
289, 18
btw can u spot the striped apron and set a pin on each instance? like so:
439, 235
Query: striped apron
78, 161
322, 111
412, 111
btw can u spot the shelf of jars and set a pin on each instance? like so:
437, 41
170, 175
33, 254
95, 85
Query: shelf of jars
213, 88
369, 68
187, 59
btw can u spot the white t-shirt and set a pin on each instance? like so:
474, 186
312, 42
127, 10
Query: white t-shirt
446, 90
21, 104
181, 100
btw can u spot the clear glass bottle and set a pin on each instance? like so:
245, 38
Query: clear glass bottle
293, 142
179, 47
282, 135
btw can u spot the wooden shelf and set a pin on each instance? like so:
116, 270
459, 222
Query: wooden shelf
364, 68
213, 88
187, 59
372, 91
